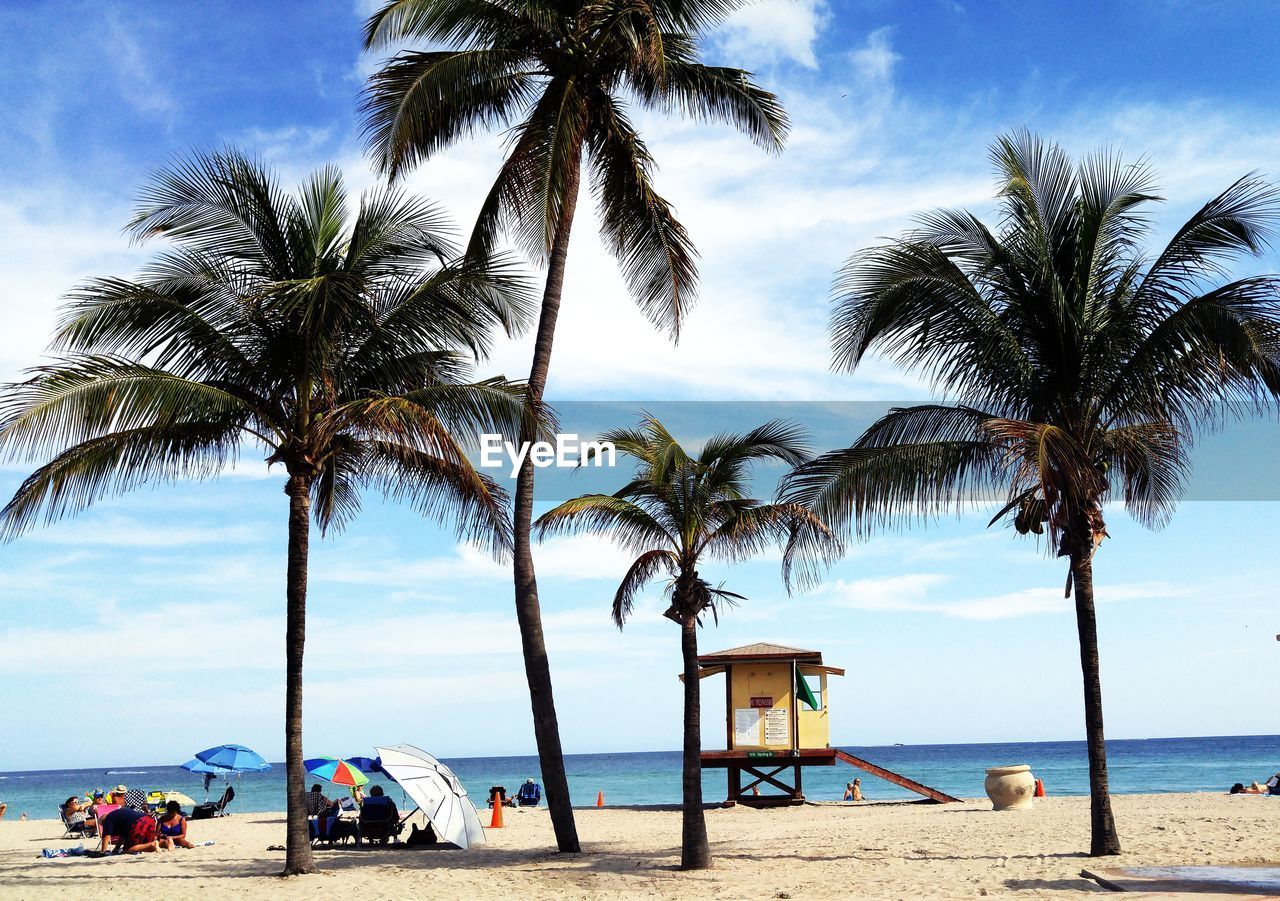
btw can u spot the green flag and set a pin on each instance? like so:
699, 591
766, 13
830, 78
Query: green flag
804, 693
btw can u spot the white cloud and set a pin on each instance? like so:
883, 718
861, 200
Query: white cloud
53, 241
874, 61
136, 74
770, 31
585, 557
900, 592
126, 531
915, 593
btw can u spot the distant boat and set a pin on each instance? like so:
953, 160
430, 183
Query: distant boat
898, 744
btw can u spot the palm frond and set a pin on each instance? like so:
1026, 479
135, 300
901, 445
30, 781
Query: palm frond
644, 570
654, 250
87, 397
719, 94
113, 464
225, 203
442, 488
468, 22
419, 103
627, 523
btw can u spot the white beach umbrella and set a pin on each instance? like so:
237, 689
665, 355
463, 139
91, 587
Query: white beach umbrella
436, 791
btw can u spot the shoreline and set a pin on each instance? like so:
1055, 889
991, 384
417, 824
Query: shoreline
811, 851
135, 768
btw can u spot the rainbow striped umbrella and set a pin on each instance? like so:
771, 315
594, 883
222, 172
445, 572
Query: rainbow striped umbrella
336, 770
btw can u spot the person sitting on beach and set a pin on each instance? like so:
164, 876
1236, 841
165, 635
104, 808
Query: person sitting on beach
1273, 784
77, 814
498, 795
853, 790
316, 803
530, 793
133, 830
173, 827
3, 808
376, 803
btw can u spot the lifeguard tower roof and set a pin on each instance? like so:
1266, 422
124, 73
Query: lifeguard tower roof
761, 650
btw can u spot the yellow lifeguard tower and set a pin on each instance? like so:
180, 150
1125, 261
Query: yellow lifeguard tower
776, 719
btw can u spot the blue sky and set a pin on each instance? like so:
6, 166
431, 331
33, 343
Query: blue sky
955, 633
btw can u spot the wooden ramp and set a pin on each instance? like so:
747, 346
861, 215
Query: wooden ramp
889, 776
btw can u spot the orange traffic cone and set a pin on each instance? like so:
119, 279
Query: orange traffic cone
1039, 788
599, 799
496, 822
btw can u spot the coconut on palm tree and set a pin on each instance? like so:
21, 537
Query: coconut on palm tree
1074, 366
679, 511
562, 77
340, 346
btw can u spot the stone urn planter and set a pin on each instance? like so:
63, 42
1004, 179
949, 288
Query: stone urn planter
1010, 787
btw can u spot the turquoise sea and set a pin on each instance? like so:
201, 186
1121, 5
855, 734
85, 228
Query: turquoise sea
1136, 766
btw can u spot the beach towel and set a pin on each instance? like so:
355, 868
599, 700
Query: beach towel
50, 853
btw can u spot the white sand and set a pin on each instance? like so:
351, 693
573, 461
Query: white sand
824, 851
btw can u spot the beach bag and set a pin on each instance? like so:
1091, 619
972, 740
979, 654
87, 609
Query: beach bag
204, 812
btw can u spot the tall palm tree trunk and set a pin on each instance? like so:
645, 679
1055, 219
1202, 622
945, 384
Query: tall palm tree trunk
298, 857
546, 728
1104, 839
695, 854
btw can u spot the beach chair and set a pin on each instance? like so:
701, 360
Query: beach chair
75, 830
220, 809
208, 811
155, 801
331, 830
529, 795
379, 821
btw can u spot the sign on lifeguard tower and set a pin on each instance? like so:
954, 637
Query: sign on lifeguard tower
776, 719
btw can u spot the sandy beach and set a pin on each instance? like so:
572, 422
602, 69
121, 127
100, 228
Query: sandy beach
814, 851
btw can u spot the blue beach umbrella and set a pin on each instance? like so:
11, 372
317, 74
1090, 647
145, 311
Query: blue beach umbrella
236, 758
208, 770
365, 764
196, 765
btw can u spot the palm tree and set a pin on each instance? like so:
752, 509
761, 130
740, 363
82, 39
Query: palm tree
339, 347
558, 74
679, 510
1077, 367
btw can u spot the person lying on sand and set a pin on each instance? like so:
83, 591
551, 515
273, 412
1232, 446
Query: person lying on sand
173, 828
132, 829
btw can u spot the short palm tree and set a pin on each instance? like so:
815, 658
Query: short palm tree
1077, 366
561, 75
679, 510
338, 346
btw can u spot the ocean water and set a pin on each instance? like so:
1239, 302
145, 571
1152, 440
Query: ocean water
1136, 766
